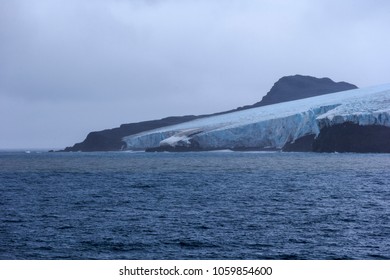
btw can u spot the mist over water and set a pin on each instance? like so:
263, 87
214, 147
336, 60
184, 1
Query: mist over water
216, 205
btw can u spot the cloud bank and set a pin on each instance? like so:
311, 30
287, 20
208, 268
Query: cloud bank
69, 67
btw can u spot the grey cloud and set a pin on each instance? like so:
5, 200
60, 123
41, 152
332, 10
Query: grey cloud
147, 59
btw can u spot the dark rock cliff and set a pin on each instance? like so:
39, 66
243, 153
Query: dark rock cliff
353, 138
344, 138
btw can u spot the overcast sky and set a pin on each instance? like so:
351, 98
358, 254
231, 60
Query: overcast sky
68, 67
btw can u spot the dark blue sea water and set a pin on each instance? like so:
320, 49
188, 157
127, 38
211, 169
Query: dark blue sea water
215, 205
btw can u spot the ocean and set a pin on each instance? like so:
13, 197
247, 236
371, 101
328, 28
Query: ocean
204, 205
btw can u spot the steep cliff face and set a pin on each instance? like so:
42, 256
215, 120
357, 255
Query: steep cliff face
350, 137
287, 88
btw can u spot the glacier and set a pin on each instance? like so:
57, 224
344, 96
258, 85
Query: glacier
272, 126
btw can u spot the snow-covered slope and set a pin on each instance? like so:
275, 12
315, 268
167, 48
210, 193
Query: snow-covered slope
275, 125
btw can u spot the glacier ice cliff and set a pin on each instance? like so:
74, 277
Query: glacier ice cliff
272, 126
287, 88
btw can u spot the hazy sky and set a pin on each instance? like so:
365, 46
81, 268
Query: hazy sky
68, 67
